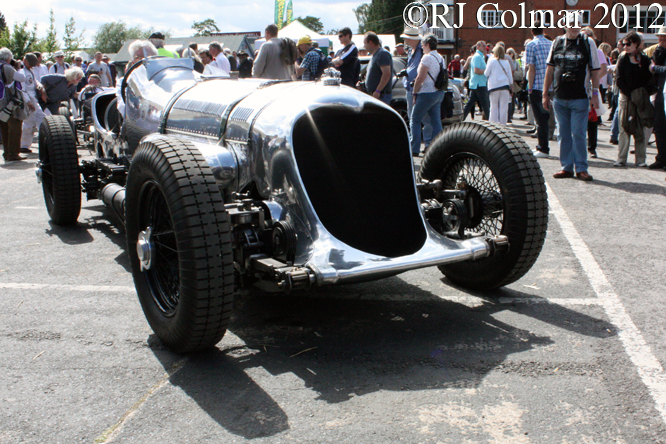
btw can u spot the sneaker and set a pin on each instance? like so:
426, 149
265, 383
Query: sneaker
540, 154
619, 164
531, 131
25, 150
642, 165
593, 153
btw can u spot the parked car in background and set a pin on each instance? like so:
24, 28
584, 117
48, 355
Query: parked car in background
399, 101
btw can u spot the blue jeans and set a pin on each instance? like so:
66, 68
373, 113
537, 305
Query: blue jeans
572, 120
615, 126
386, 98
427, 127
430, 104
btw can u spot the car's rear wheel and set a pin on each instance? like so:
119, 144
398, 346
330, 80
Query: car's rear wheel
179, 240
67, 114
59, 170
506, 190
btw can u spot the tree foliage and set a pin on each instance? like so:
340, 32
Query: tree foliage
205, 28
70, 39
362, 17
311, 22
111, 36
3, 22
381, 16
21, 40
50, 42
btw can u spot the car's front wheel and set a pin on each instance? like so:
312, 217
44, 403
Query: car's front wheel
179, 241
506, 196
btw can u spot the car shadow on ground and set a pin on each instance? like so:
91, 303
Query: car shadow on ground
103, 222
350, 341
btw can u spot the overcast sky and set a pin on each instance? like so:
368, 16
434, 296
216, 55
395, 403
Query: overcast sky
174, 15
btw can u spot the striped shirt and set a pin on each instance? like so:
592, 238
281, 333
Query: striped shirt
536, 53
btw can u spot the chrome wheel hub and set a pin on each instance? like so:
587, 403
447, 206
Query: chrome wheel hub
144, 249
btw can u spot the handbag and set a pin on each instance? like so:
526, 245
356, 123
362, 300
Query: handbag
14, 98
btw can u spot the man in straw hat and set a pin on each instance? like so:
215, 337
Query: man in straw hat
60, 66
658, 67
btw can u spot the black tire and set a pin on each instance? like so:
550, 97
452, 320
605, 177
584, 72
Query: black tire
500, 166
67, 114
61, 180
401, 108
187, 292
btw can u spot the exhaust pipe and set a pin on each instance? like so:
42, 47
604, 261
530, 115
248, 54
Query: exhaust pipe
113, 196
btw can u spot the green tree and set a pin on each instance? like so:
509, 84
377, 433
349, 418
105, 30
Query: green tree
21, 40
381, 16
70, 39
3, 22
311, 22
205, 28
50, 42
111, 36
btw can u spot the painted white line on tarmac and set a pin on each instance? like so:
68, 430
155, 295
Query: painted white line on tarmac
650, 370
88, 288
555, 301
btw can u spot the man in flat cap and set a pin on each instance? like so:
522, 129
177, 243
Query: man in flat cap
157, 39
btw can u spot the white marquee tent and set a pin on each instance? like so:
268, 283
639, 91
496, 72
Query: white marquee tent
295, 30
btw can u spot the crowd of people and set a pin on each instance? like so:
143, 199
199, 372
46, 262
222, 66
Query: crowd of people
565, 84
557, 83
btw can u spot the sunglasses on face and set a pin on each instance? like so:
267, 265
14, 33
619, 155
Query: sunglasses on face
626, 44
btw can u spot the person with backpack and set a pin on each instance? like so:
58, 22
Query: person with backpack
572, 62
276, 57
308, 69
429, 89
60, 66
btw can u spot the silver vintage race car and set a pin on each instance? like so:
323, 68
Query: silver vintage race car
224, 183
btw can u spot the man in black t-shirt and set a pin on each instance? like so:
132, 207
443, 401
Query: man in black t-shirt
346, 59
572, 63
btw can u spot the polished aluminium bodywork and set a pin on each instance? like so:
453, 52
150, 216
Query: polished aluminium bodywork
247, 131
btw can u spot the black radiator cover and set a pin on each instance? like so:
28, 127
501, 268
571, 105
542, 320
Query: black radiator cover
358, 173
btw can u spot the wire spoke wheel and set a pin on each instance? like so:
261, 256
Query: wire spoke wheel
163, 275
487, 215
506, 195
179, 241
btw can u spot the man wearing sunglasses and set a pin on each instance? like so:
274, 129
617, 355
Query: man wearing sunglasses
346, 59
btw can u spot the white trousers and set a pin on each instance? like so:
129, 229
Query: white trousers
499, 106
30, 125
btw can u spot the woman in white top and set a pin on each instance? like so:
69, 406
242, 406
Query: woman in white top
500, 79
427, 98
